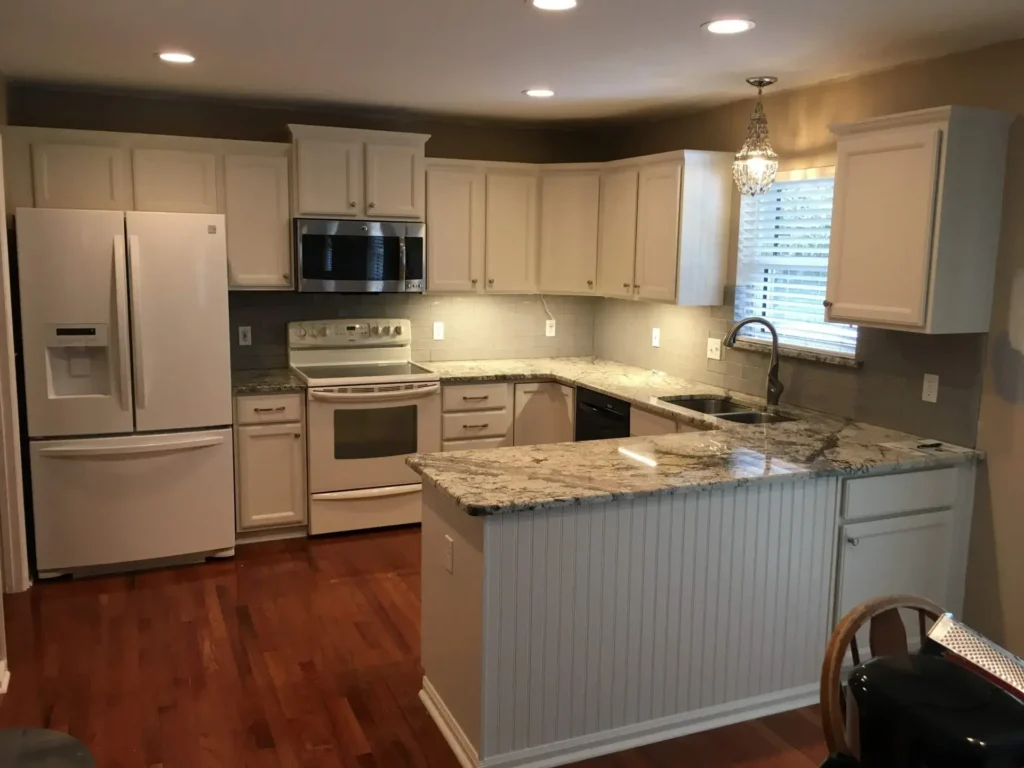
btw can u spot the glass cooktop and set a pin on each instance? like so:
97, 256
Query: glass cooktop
366, 371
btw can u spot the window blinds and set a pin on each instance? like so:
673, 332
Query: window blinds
783, 264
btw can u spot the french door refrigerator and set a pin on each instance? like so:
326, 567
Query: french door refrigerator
124, 321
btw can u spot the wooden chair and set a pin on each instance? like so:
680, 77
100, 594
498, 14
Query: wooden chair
886, 634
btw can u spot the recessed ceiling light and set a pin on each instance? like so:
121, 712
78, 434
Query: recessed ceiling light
553, 5
729, 26
176, 57
539, 93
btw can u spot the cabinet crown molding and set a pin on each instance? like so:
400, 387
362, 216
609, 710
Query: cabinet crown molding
329, 133
945, 114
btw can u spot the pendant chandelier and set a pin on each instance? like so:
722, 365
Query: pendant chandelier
756, 163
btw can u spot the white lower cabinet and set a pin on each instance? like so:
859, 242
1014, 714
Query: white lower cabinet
270, 466
644, 424
544, 414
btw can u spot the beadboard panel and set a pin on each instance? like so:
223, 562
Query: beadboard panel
603, 616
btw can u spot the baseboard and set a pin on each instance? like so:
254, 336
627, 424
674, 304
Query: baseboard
5, 677
450, 729
300, 531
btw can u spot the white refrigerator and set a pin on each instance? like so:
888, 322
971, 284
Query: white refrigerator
124, 321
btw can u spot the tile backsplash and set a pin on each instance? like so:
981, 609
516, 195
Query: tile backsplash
475, 327
885, 391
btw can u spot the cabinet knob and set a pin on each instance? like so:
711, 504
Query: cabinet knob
285, 275
852, 541
625, 285
298, 435
826, 303
590, 283
372, 205
473, 281
352, 204
490, 281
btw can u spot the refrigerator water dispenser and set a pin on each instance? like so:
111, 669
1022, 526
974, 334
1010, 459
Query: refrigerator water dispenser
78, 359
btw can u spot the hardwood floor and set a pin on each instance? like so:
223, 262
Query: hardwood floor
298, 653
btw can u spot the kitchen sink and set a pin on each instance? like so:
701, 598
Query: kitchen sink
709, 404
755, 417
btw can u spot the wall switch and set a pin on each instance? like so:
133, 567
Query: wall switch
449, 554
549, 328
244, 335
714, 348
930, 391
438, 331
655, 337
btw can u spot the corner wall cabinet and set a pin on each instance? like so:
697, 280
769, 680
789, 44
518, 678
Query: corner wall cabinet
455, 228
569, 207
918, 198
342, 172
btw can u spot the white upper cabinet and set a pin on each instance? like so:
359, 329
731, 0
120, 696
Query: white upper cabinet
455, 229
83, 176
616, 248
568, 231
174, 181
362, 174
395, 182
918, 199
329, 178
657, 234
511, 231
257, 215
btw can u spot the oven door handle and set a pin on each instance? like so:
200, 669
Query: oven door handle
369, 493
373, 397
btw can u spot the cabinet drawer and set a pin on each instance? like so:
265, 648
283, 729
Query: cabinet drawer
268, 409
476, 397
478, 424
892, 494
484, 444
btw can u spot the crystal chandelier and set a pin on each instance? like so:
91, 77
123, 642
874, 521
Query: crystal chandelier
756, 163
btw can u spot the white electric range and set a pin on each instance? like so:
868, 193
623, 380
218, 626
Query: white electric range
368, 407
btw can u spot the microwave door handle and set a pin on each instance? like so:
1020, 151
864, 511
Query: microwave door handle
370, 397
401, 261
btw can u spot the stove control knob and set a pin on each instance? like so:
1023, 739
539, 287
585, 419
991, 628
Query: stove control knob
375, 330
385, 331
302, 333
321, 331
398, 330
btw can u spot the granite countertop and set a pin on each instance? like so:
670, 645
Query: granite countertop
278, 381
725, 454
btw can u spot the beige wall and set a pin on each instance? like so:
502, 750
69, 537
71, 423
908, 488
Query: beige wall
798, 122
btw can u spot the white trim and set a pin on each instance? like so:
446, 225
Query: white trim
257, 536
617, 739
450, 729
804, 174
5, 676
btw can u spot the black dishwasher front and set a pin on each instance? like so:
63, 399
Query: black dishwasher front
600, 417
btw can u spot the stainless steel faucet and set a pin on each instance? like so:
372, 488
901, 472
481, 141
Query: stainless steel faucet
773, 387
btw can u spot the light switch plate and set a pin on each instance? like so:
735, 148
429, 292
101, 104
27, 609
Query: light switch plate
438, 331
245, 335
449, 554
549, 328
655, 337
930, 390
714, 348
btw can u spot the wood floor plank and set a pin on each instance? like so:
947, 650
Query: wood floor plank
293, 654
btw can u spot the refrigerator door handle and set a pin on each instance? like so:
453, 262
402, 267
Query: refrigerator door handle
121, 302
157, 446
137, 335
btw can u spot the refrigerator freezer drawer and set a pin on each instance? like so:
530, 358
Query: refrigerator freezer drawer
105, 501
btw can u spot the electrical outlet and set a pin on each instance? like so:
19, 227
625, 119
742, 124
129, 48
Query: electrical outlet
549, 328
438, 331
714, 348
244, 335
655, 337
930, 391
449, 554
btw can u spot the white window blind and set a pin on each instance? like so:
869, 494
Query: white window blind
783, 263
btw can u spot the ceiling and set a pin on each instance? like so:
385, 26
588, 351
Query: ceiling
474, 57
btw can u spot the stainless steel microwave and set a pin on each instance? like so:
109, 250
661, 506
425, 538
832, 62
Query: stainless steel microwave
360, 256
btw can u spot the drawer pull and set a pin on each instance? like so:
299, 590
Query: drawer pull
475, 426
278, 409
852, 541
298, 435
476, 397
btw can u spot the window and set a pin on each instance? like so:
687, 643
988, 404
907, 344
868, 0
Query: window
783, 263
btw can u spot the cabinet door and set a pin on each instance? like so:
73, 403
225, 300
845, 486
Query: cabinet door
644, 424
616, 248
329, 178
455, 230
394, 181
256, 204
79, 176
657, 231
511, 232
173, 181
882, 221
271, 475
568, 231
544, 414
904, 555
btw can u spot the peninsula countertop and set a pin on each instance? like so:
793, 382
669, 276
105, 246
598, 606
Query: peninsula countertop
504, 480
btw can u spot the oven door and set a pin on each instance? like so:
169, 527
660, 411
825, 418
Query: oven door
360, 435
360, 256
